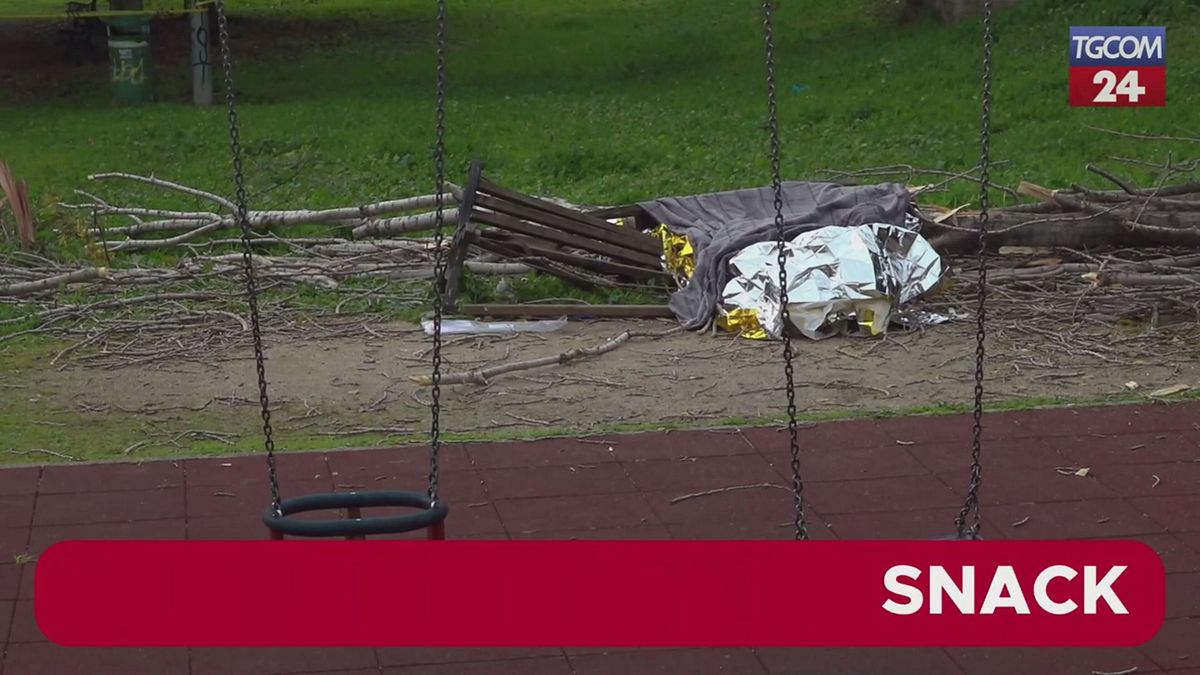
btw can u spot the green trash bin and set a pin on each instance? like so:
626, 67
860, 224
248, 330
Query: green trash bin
129, 54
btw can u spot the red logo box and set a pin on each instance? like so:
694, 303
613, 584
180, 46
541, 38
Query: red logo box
1144, 86
1122, 66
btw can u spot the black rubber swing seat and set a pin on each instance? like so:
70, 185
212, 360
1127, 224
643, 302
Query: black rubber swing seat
428, 514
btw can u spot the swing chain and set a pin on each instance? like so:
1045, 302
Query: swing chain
971, 507
439, 265
248, 253
777, 186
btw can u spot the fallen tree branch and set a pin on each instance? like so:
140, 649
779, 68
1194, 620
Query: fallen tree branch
482, 376
49, 283
151, 244
386, 226
175, 187
1145, 137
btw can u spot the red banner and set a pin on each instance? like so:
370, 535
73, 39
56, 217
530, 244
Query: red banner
599, 593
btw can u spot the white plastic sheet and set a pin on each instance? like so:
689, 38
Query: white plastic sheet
466, 327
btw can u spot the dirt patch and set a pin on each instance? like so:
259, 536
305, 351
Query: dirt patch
334, 387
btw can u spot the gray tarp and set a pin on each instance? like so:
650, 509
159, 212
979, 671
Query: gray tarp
721, 224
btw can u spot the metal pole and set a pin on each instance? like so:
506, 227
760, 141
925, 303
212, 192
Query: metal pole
202, 84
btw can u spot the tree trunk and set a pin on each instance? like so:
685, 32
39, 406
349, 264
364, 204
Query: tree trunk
1054, 229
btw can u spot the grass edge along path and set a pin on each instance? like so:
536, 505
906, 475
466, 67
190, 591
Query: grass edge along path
250, 444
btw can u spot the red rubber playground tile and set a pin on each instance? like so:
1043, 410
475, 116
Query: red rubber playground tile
16, 511
542, 514
43, 538
831, 464
700, 473
668, 662
1072, 520
860, 484
101, 478
551, 481
548, 452
674, 445
833, 436
1172, 549
10, 580
23, 481
213, 661
24, 626
109, 507
1138, 448
1042, 660
830, 661
421, 656
229, 471
401, 461
44, 658
903, 493
1176, 646
554, 665
13, 541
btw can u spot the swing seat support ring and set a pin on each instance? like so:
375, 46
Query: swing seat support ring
428, 516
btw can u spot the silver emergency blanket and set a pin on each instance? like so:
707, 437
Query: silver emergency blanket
839, 279
720, 225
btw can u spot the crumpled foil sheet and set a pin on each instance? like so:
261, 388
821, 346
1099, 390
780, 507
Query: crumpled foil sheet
840, 280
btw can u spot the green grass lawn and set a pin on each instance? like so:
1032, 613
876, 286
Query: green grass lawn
602, 101
599, 101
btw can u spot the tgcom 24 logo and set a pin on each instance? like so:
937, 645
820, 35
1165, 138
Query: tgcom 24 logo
1118, 66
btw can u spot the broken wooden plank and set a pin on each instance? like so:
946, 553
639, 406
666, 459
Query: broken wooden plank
623, 237
461, 242
574, 275
555, 311
515, 245
511, 224
1037, 192
583, 223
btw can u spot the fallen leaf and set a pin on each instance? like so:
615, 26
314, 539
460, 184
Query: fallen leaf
1131, 385
1170, 391
1082, 473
